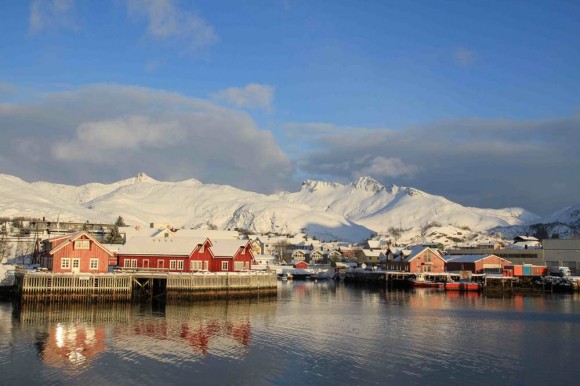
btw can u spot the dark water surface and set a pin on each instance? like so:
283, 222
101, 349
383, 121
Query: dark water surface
313, 333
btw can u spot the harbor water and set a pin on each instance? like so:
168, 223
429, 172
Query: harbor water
319, 333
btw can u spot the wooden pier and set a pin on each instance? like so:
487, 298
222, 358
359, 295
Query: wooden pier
394, 278
127, 286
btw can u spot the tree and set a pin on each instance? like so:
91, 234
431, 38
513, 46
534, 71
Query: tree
114, 236
24, 248
120, 222
279, 248
5, 248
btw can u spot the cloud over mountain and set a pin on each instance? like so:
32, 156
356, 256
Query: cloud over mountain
113, 131
478, 162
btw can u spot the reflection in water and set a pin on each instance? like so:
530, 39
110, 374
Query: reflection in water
314, 333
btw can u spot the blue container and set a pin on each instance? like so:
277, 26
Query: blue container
527, 270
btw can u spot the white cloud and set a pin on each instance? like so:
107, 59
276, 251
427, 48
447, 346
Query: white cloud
479, 162
46, 14
380, 167
167, 22
253, 95
98, 141
109, 132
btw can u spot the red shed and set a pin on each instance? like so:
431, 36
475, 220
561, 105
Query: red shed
300, 264
476, 263
419, 259
75, 253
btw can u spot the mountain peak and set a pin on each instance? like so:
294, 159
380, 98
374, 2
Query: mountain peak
314, 185
369, 184
142, 177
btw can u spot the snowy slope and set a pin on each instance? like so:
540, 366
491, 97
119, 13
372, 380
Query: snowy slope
379, 207
19, 198
326, 210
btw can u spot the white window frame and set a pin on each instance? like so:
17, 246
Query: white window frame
94, 263
133, 263
82, 244
206, 265
65, 263
180, 265
238, 265
196, 265
126, 263
225, 265
173, 264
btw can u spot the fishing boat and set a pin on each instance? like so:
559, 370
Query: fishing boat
285, 276
421, 282
463, 286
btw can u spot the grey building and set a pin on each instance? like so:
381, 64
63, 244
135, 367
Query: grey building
564, 253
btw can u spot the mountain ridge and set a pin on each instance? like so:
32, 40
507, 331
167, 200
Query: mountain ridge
328, 210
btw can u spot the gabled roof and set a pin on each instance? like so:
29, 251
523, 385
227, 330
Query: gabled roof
173, 246
525, 238
227, 248
371, 253
470, 258
74, 236
410, 254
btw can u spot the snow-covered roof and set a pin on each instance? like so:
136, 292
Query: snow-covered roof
525, 238
226, 248
410, 254
72, 237
173, 246
464, 258
264, 257
371, 253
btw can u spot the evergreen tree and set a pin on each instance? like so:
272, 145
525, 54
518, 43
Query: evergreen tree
114, 236
120, 222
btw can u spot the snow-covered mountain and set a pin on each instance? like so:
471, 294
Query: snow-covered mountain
326, 210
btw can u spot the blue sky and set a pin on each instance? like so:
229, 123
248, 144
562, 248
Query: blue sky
444, 96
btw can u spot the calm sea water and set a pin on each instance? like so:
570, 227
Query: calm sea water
313, 333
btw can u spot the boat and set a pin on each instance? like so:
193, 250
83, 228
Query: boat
463, 286
285, 276
420, 282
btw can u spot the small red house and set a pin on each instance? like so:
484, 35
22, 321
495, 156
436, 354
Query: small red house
176, 254
477, 264
418, 259
75, 253
300, 264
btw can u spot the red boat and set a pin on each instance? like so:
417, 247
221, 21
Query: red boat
463, 286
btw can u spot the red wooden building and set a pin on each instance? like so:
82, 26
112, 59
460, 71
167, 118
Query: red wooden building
300, 264
175, 254
419, 259
75, 253
476, 263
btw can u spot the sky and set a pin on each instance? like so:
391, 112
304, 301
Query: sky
478, 101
